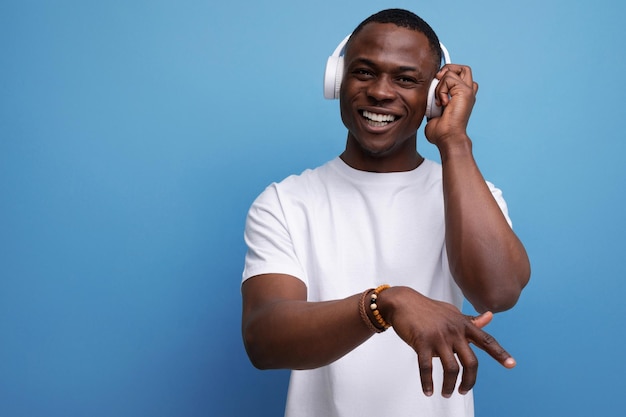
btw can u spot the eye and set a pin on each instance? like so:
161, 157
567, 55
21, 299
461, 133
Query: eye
407, 81
363, 73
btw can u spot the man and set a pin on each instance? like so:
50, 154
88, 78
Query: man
321, 244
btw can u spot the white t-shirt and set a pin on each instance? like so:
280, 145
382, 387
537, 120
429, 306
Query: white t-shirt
342, 231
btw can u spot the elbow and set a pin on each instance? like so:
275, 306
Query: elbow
258, 362
255, 351
502, 297
496, 301
255, 359
263, 355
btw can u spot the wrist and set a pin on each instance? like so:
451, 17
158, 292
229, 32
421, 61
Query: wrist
455, 146
386, 304
370, 311
380, 322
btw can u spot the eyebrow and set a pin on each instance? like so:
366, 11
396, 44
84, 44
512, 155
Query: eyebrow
404, 68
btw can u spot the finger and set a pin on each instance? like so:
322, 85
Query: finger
451, 83
443, 97
466, 75
451, 371
425, 362
490, 345
470, 368
482, 320
462, 71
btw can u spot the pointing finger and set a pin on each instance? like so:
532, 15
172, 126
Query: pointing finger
490, 345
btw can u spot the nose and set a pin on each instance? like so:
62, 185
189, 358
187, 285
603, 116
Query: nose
381, 89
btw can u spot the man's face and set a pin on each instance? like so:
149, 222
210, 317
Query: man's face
388, 70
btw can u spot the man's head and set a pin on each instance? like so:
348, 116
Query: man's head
389, 64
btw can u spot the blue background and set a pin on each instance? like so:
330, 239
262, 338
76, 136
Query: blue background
134, 135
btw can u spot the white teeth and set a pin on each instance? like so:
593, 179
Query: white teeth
379, 117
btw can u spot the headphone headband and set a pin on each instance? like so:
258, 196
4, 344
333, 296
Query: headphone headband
340, 49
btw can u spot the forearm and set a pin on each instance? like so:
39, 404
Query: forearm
486, 258
293, 334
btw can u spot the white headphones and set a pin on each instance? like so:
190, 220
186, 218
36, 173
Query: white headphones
334, 75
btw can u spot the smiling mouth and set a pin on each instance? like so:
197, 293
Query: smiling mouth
376, 119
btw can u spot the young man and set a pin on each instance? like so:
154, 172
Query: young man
322, 244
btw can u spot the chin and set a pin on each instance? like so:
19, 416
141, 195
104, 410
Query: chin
379, 146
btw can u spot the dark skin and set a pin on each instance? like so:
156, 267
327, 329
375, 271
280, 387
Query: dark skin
388, 70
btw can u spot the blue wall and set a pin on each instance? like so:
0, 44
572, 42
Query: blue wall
135, 134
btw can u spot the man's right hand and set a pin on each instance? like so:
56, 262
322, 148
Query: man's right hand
437, 329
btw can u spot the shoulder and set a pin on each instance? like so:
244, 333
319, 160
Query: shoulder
306, 181
297, 186
311, 175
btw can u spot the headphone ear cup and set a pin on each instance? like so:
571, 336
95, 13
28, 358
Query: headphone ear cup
333, 76
432, 109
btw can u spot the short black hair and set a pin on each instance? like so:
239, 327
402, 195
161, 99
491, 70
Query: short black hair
406, 19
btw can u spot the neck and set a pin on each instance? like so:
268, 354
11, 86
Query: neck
393, 160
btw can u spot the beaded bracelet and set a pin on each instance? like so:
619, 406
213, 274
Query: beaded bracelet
374, 307
363, 313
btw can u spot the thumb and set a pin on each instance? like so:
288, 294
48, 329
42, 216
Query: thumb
482, 320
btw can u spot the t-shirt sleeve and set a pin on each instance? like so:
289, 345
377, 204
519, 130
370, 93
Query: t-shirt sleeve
270, 246
497, 194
